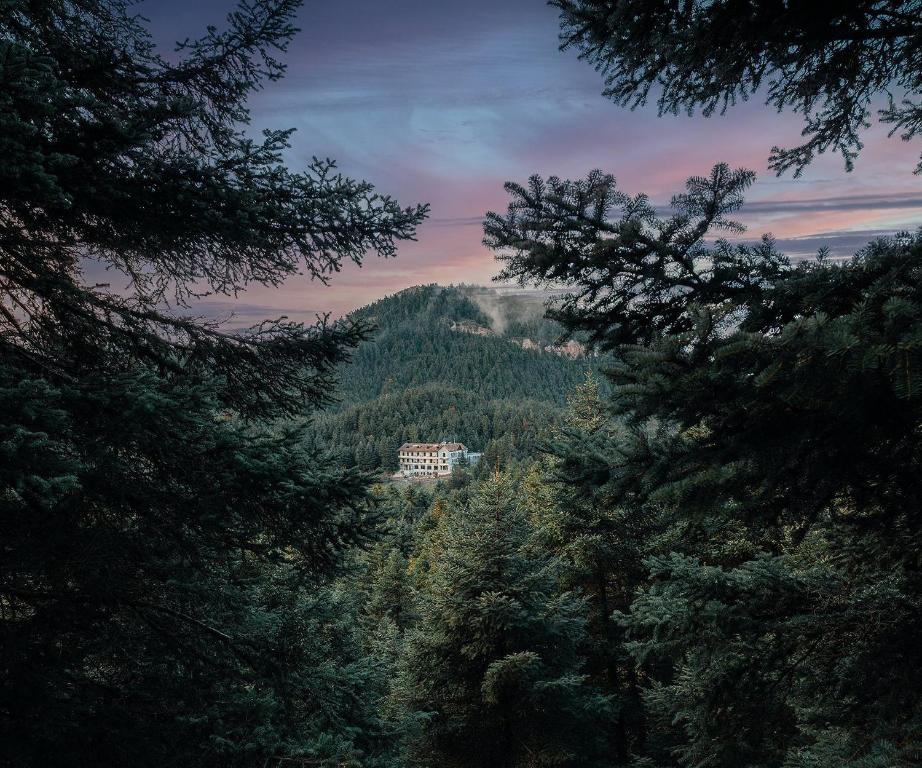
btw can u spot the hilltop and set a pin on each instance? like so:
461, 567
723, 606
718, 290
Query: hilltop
469, 338
476, 364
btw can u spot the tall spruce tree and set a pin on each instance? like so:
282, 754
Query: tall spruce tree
161, 548
493, 667
773, 413
828, 62
599, 541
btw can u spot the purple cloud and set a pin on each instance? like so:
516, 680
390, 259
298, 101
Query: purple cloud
443, 102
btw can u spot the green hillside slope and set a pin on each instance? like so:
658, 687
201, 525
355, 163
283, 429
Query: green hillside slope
420, 341
450, 363
369, 434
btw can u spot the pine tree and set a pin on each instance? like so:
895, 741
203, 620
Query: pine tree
163, 538
600, 544
493, 667
771, 415
828, 62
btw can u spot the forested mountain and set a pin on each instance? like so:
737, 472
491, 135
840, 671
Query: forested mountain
450, 362
712, 562
433, 334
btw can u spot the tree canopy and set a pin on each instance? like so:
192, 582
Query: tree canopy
165, 547
828, 62
124, 166
766, 438
493, 664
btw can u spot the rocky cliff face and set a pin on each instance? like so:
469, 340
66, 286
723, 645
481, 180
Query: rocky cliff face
472, 328
571, 349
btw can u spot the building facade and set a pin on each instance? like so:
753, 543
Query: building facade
432, 459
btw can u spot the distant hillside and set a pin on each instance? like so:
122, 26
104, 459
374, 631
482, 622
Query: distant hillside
468, 363
465, 338
368, 434
515, 314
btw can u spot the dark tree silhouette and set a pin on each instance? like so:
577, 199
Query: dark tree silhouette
115, 157
827, 62
163, 553
767, 419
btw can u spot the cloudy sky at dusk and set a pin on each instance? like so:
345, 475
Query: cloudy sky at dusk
442, 102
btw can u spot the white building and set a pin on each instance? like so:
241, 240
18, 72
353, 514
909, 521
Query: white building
432, 459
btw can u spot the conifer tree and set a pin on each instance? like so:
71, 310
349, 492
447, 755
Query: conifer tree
828, 63
772, 414
161, 547
493, 667
600, 544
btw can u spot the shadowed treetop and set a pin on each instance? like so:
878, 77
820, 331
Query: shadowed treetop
118, 158
826, 61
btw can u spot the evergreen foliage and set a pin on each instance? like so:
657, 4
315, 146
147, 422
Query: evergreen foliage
370, 434
493, 665
599, 545
415, 345
768, 420
116, 158
828, 62
166, 556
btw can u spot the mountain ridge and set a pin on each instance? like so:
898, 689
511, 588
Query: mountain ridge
421, 378
414, 344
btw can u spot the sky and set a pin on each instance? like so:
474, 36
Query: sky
442, 102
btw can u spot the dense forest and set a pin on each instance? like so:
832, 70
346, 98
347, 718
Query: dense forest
368, 435
441, 335
697, 546
439, 367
